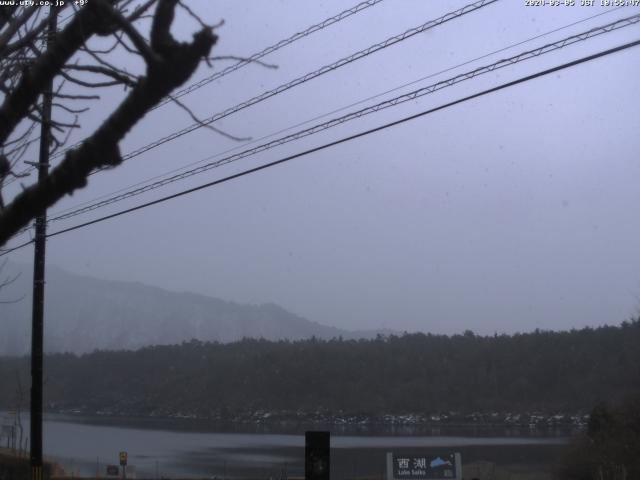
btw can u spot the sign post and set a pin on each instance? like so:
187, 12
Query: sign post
424, 466
317, 453
123, 463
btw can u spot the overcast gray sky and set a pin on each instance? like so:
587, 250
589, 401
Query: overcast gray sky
510, 212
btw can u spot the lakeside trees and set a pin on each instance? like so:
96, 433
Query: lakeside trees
538, 371
609, 447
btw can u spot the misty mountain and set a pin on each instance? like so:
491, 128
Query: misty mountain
83, 314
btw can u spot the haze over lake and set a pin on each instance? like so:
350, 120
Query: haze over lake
174, 448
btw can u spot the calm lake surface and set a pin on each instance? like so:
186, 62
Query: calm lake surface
187, 448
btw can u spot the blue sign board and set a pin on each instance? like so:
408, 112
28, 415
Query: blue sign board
424, 466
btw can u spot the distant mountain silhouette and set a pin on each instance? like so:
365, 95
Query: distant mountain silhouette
84, 314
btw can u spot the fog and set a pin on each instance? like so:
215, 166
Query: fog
510, 212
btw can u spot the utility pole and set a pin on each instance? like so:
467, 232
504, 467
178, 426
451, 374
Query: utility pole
37, 323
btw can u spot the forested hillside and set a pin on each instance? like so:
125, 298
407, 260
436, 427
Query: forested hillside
539, 371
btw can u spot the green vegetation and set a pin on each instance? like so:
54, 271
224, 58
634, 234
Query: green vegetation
540, 371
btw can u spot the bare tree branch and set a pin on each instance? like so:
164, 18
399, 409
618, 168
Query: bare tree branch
90, 51
176, 63
82, 83
98, 58
140, 11
119, 77
30, 37
14, 27
69, 109
32, 83
207, 125
192, 14
76, 97
138, 41
5, 282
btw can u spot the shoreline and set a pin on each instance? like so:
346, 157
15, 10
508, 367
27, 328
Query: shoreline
186, 452
527, 425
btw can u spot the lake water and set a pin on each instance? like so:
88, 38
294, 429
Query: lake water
85, 445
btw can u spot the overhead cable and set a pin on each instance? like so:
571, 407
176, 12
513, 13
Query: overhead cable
350, 137
324, 115
360, 113
251, 58
270, 49
312, 75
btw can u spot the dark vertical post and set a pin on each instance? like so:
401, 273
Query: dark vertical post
37, 322
317, 450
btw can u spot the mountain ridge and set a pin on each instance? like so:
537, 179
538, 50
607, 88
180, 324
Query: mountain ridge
85, 313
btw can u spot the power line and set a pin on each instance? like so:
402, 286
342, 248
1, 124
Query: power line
353, 137
360, 113
359, 102
266, 51
270, 49
7, 251
354, 115
311, 75
253, 57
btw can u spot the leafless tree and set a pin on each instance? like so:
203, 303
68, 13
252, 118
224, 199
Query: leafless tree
5, 281
80, 56
20, 403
